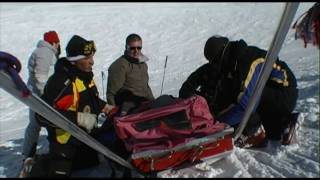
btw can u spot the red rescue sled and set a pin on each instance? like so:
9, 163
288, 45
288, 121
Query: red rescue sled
180, 133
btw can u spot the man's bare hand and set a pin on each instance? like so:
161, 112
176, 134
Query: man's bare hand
108, 109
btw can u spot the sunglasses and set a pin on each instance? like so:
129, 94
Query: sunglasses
133, 48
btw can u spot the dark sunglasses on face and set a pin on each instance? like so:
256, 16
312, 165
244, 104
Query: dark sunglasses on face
133, 48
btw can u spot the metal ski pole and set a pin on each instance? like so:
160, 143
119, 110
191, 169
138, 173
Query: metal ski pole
103, 87
275, 46
164, 73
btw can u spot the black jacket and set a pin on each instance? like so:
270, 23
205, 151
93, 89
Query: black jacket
69, 91
230, 80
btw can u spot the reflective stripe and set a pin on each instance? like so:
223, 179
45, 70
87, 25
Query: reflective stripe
62, 136
280, 76
249, 76
80, 86
77, 87
74, 106
252, 70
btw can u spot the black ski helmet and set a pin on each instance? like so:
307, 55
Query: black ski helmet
214, 46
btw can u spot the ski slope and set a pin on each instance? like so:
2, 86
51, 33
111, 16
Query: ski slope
179, 31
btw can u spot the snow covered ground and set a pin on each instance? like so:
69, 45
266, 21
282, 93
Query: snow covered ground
179, 31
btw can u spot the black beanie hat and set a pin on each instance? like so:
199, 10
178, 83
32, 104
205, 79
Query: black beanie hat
79, 48
214, 46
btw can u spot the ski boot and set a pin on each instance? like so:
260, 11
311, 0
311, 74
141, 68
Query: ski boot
26, 167
256, 140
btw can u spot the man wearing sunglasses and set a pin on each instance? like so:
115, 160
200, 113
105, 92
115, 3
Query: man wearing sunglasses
128, 79
228, 80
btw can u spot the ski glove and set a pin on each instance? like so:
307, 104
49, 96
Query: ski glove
87, 120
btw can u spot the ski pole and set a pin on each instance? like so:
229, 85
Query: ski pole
102, 79
164, 73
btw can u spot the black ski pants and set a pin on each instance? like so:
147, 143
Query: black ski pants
275, 106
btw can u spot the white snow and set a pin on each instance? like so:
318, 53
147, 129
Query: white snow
179, 31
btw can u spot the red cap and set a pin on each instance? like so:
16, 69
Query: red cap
51, 37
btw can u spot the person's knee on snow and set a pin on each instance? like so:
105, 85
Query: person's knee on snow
73, 77
236, 66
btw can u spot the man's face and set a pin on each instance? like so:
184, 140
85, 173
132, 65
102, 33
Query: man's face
134, 49
85, 64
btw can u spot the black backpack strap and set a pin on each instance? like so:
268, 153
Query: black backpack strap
43, 121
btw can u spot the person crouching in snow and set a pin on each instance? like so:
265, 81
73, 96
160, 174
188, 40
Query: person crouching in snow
71, 90
228, 80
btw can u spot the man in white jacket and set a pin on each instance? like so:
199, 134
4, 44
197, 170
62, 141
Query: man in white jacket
40, 67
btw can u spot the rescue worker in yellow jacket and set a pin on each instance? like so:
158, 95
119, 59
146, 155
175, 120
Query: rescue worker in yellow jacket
72, 91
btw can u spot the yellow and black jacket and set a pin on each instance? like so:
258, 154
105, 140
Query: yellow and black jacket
69, 91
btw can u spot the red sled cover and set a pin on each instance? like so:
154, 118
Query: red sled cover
212, 147
167, 136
